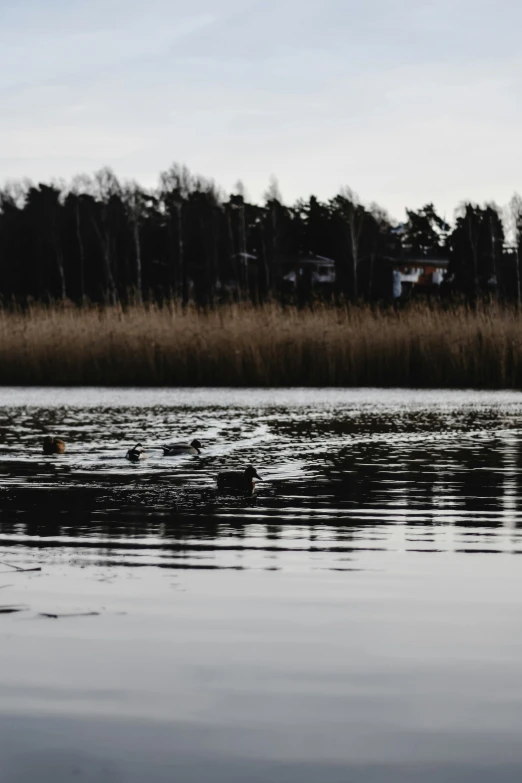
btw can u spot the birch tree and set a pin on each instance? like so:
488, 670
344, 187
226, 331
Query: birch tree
105, 188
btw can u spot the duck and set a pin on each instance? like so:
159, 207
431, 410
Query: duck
52, 445
242, 480
136, 453
182, 448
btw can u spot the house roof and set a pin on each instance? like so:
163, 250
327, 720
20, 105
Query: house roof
442, 263
314, 262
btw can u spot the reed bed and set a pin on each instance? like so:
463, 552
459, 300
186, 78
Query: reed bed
240, 345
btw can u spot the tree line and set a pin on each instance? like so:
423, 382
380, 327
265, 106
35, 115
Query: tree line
98, 239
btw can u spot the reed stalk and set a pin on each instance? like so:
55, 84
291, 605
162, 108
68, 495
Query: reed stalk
242, 345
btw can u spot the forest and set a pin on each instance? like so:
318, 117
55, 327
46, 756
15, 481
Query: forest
98, 240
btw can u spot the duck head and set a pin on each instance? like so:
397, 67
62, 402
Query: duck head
52, 445
196, 445
251, 473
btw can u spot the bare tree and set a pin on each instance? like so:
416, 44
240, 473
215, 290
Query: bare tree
273, 192
349, 206
239, 189
105, 188
16, 192
515, 215
493, 237
467, 214
79, 187
176, 184
237, 204
136, 206
382, 223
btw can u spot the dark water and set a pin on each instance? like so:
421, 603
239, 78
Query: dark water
358, 619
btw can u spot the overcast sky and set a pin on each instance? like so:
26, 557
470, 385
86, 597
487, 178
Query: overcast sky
405, 101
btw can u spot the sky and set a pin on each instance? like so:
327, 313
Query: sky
405, 102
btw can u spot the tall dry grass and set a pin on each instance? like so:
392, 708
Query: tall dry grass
241, 345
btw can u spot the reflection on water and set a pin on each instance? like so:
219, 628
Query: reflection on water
346, 622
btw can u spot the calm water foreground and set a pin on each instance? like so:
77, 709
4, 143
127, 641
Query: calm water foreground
358, 619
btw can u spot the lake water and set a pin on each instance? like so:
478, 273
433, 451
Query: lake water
357, 619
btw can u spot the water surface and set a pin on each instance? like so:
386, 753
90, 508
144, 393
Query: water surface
357, 618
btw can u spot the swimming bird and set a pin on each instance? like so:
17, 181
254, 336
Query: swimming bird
136, 453
52, 445
182, 448
238, 479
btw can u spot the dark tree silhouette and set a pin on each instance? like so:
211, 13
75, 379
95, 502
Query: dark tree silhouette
425, 232
476, 250
100, 240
